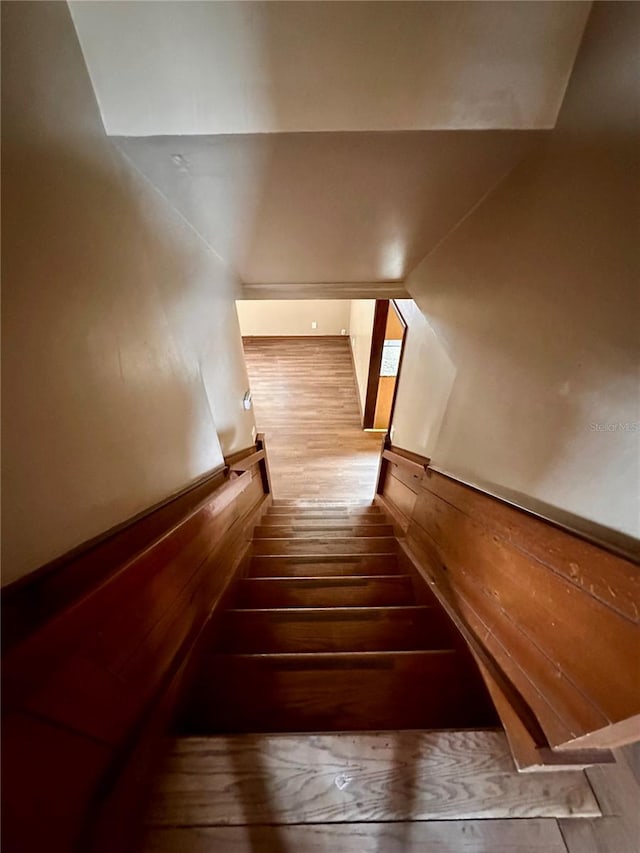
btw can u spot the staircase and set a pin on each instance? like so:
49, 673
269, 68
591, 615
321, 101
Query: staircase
326, 634
336, 708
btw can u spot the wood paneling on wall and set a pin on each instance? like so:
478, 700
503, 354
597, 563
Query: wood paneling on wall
555, 613
104, 671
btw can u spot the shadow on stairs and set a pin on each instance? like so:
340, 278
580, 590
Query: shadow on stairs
337, 708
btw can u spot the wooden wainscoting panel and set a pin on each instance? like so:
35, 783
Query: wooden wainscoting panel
557, 615
603, 575
31, 601
92, 672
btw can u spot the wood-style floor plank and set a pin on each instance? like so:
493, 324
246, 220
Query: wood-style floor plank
478, 836
305, 401
618, 792
449, 775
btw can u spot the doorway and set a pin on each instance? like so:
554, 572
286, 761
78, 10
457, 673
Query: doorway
387, 346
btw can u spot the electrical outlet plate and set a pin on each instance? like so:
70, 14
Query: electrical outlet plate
314, 325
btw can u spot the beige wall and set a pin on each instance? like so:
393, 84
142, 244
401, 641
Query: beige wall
293, 316
535, 297
121, 351
361, 334
425, 383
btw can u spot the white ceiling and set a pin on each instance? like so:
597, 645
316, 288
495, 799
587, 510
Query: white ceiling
174, 68
327, 142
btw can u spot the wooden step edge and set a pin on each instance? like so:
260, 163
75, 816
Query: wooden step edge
332, 558
328, 580
311, 503
340, 611
285, 545
324, 523
273, 518
361, 511
331, 660
263, 533
390, 537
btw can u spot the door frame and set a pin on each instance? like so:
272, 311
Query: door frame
375, 361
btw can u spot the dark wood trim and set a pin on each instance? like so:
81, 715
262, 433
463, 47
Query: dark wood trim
265, 473
423, 461
30, 601
375, 360
392, 455
248, 462
402, 348
232, 458
404, 462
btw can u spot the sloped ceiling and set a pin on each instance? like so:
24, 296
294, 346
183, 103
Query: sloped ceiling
331, 141
324, 207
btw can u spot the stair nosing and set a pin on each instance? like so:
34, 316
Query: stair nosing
332, 609
326, 655
329, 579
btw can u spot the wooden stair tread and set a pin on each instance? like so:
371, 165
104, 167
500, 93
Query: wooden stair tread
303, 531
319, 512
327, 778
335, 629
472, 836
338, 691
314, 519
318, 546
325, 591
322, 564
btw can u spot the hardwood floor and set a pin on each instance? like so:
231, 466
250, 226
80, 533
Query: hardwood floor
305, 400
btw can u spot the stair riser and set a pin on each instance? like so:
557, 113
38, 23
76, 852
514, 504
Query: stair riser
368, 592
256, 694
364, 564
364, 630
